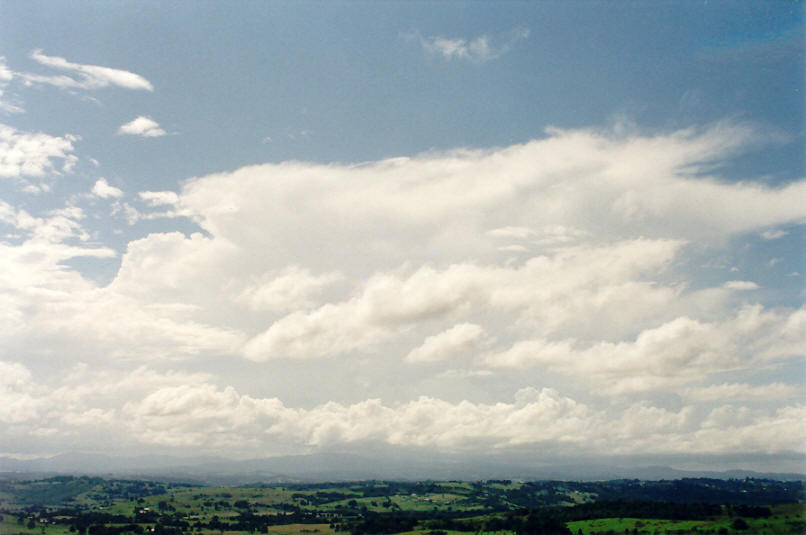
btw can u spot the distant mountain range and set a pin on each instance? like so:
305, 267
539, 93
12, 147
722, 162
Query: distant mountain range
346, 467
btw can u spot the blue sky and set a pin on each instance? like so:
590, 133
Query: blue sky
317, 226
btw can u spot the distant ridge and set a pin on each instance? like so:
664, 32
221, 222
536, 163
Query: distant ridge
346, 466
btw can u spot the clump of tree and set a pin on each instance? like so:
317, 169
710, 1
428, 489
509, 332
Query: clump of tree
536, 523
740, 524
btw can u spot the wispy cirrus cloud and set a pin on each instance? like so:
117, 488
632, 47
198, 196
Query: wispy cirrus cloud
78, 76
83, 76
478, 50
6, 75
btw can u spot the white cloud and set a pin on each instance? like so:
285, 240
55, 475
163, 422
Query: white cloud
122, 327
153, 199
55, 227
87, 76
438, 209
511, 232
46, 302
514, 248
142, 126
197, 414
143, 408
6, 75
596, 183
459, 339
544, 237
103, 190
589, 279
774, 234
16, 402
364, 262
32, 154
32, 277
678, 352
159, 198
9, 107
329, 330
741, 286
288, 289
479, 50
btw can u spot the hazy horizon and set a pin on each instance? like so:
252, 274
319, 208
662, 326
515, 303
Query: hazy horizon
524, 230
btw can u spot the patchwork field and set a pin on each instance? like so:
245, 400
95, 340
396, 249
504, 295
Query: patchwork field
95, 506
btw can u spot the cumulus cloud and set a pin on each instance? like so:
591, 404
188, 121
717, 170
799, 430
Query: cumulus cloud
56, 306
84, 76
451, 211
104, 190
678, 352
167, 200
32, 154
541, 417
563, 261
389, 303
16, 402
288, 289
188, 412
54, 226
142, 126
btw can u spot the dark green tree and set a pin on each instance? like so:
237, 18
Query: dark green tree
740, 524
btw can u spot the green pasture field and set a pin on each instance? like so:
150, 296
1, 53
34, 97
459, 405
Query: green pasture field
786, 520
453, 532
9, 526
643, 525
301, 529
289, 529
